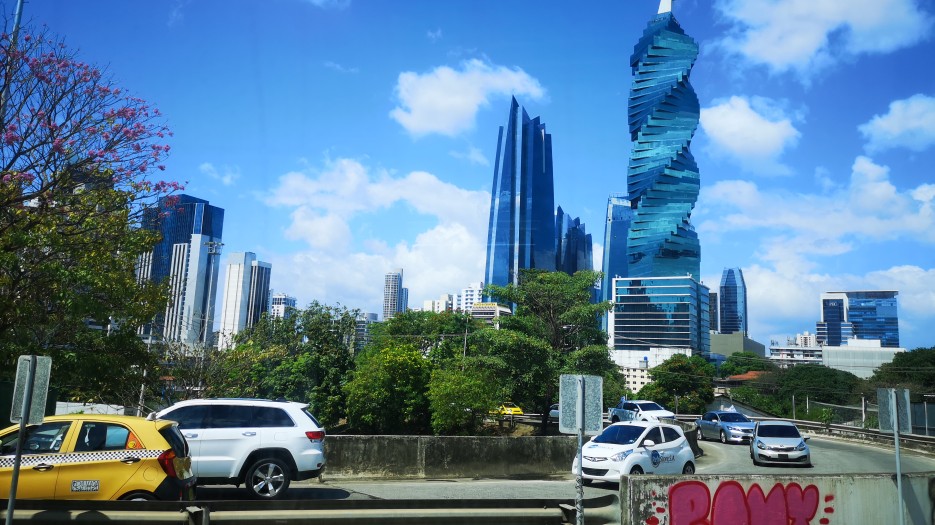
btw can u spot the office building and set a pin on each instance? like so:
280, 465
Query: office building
246, 295
616, 229
521, 231
573, 249
188, 257
712, 312
861, 315
660, 302
395, 296
733, 302
362, 330
281, 306
470, 295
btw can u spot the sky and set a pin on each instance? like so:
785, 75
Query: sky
347, 138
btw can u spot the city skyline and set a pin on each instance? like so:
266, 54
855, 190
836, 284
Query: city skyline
337, 163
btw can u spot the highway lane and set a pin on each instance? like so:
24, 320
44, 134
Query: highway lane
829, 456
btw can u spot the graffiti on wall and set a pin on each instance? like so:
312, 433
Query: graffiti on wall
691, 503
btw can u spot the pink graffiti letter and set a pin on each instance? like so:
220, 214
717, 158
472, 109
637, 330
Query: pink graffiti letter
730, 505
688, 503
767, 510
801, 504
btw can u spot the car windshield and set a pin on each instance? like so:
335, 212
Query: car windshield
733, 417
649, 406
509, 405
778, 431
619, 435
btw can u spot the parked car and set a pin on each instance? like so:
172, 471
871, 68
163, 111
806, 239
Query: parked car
98, 457
635, 447
508, 409
727, 425
779, 442
639, 410
262, 444
554, 412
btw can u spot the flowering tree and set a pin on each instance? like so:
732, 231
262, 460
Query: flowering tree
77, 158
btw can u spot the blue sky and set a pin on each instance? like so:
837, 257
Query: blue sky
347, 138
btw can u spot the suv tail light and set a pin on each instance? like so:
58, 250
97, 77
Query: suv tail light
316, 435
167, 462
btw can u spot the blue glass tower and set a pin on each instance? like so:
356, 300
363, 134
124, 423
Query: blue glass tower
662, 178
860, 315
733, 302
619, 216
521, 232
573, 250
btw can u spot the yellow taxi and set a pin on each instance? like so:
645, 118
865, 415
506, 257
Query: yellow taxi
509, 409
98, 457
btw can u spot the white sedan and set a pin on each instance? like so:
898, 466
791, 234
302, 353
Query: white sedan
635, 447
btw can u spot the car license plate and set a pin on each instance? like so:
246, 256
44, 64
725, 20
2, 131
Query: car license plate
784, 456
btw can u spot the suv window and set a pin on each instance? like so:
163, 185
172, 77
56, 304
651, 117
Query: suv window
188, 417
266, 417
229, 416
310, 416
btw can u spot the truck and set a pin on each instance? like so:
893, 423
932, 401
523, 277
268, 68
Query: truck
637, 410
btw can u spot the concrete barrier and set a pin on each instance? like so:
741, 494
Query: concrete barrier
418, 457
764, 499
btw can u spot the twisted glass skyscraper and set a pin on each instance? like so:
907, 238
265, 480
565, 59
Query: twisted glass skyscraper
662, 179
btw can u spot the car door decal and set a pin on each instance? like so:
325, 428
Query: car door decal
79, 457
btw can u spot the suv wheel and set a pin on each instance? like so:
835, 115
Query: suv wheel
267, 479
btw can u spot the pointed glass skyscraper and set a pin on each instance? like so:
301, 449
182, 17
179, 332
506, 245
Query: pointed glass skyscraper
662, 179
521, 233
733, 302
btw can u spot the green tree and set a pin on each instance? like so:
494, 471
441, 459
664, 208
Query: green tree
76, 165
818, 383
914, 370
687, 378
555, 309
388, 392
743, 362
459, 399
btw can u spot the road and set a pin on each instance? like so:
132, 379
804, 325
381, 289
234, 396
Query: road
829, 456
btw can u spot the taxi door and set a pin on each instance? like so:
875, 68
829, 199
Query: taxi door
39, 465
669, 450
98, 464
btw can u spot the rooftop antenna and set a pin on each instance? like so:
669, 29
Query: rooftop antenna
665, 6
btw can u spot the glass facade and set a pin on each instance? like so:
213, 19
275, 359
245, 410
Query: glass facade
662, 178
521, 231
733, 302
573, 248
619, 216
660, 312
859, 314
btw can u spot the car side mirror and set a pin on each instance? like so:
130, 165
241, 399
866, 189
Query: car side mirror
806, 438
648, 443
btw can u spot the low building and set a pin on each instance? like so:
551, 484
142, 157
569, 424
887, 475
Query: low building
727, 344
860, 357
490, 313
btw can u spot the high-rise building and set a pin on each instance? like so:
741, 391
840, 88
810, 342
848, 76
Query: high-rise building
660, 302
470, 295
521, 232
868, 315
246, 295
616, 229
712, 312
733, 302
362, 330
187, 256
662, 178
395, 296
281, 306
573, 248
659, 312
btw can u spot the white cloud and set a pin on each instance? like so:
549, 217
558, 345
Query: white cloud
910, 124
330, 4
446, 100
808, 35
335, 209
473, 155
434, 36
227, 176
339, 68
751, 132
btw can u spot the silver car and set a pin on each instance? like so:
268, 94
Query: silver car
727, 425
779, 442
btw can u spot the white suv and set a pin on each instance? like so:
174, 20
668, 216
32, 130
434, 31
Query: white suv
261, 443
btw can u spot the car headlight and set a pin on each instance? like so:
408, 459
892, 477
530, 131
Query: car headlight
801, 445
620, 456
733, 429
761, 446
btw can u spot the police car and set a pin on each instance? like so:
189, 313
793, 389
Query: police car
635, 447
98, 457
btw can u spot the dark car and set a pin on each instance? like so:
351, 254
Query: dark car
727, 425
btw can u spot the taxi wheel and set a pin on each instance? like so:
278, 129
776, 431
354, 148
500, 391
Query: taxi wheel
636, 471
267, 479
138, 496
689, 468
